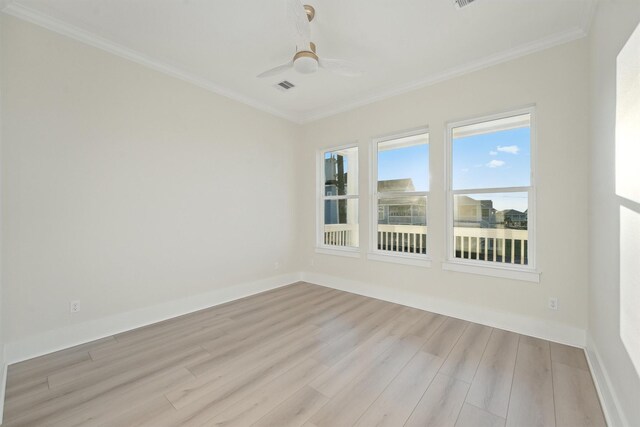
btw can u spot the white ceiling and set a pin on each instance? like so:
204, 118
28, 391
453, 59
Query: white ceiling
402, 44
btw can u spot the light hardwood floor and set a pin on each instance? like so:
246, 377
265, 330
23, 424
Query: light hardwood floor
305, 355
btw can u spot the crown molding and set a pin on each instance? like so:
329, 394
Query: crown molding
588, 15
38, 18
508, 55
12, 8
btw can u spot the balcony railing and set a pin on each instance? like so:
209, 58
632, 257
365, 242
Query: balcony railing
341, 235
507, 246
402, 238
503, 245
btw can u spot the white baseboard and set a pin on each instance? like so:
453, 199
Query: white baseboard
70, 336
548, 330
606, 392
3, 384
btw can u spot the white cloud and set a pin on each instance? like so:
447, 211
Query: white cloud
512, 149
493, 153
495, 164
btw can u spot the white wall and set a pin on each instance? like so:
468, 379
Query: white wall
125, 188
613, 24
556, 81
3, 378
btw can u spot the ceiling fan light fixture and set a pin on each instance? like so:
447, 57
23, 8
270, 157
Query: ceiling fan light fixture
305, 62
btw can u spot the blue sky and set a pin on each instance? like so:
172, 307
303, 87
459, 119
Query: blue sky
498, 159
408, 162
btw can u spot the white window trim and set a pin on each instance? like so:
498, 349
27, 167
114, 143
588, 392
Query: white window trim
518, 272
374, 253
477, 267
321, 248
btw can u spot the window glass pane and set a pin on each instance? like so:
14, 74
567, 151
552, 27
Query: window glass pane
494, 154
402, 224
341, 222
403, 164
341, 172
491, 227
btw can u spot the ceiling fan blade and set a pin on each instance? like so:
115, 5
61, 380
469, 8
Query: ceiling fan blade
339, 66
301, 28
276, 70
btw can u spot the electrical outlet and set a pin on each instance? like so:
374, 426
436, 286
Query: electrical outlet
276, 265
74, 306
553, 303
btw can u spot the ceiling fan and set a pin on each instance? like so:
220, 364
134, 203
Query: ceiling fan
306, 60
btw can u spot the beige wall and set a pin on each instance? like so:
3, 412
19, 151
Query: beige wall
613, 24
125, 188
556, 81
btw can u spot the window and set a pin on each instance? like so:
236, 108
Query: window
627, 152
491, 193
338, 207
400, 171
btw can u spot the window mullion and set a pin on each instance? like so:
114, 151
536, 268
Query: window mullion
491, 190
398, 194
343, 197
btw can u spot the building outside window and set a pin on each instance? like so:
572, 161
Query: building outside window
339, 199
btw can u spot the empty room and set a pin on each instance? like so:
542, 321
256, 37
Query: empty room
320, 213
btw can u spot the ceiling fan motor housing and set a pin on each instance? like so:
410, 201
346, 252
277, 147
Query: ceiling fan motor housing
305, 62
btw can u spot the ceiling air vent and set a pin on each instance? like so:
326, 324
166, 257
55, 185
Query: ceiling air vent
285, 85
463, 3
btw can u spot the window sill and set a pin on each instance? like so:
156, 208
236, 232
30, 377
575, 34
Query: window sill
527, 275
347, 252
419, 260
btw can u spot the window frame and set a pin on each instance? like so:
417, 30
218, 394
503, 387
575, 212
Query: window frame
527, 272
321, 247
374, 253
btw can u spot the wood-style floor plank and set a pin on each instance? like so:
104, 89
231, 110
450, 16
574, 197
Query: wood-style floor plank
133, 415
259, 403
567, 355
471, 416
246, 369
352, 401
396, 403
294, 411
447, 335
306, 355
341, 344
364, 356
61, 403
441, 403
465, 356
531, 403
575, 397
491, 387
